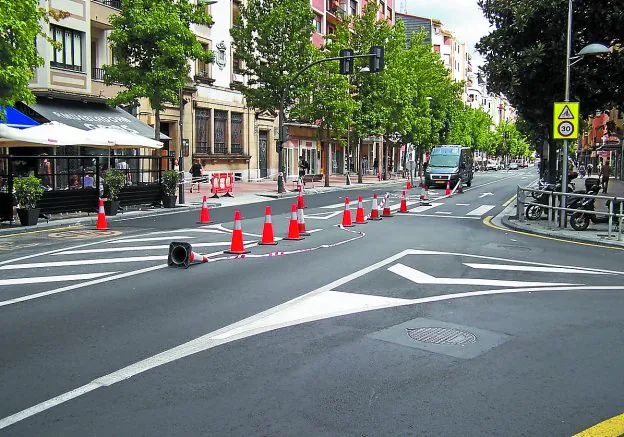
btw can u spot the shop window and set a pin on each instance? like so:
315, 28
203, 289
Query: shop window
220, 129
202, 131
70, 54
236, 128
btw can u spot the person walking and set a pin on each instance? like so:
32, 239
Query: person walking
582, 171
605, 173
589, 170
196, 174
303, 168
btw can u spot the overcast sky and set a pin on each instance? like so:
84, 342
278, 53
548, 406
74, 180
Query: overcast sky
462, 17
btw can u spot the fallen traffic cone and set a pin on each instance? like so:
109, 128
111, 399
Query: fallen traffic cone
300, 217
374, 215
424, 196
447, 192
267, 231
237, 247
359, 213
403, 207
300, 200
386, 211
101, 218
204, 216
346, 216
182, 255
293, 226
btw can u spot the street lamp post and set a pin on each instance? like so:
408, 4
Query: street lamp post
393, 138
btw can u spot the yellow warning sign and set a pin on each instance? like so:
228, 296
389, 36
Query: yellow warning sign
566, 120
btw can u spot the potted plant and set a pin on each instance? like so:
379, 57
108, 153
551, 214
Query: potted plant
170, 181
114, 181
28, 191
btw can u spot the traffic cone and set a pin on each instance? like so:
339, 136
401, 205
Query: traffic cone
267, 231
447, 192
460, 189
403, 207
424, 196
409, 185
204, 216
346, 216
237, 247
386, 211
101, 224
300, 217
374, 215
182, 255
293, 226
359, 213
300, 200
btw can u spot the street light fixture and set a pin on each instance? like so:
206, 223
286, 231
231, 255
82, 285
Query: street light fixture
590, 50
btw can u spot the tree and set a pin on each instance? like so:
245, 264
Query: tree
273, 39
19, 26
525, 57
152, 43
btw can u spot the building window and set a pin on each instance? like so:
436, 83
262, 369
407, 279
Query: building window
436, 48
236, 6
330, 29
203, 69
202, 131
389, 13
237, 64
70, 54
237, 133
318, 24
353, 6
220, 128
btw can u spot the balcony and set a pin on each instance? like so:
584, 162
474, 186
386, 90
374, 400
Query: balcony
335, 9
115, 4
97, 74
203, 76
237, 149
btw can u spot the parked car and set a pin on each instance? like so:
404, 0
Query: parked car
513, 166
491, 165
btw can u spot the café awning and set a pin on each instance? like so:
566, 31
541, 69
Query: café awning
16, 119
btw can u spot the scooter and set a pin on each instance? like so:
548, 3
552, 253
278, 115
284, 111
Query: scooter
534, 212
579, 221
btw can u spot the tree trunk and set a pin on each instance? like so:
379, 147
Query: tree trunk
359, 162
157, 125
384, 148
327, 158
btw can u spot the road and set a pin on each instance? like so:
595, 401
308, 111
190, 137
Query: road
429, 323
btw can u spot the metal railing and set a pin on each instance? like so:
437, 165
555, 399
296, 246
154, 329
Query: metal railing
97, 73
116, 4
557, 205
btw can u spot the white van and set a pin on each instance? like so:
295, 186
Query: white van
491, 165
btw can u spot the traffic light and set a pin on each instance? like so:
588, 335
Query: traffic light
377, 60
346, 64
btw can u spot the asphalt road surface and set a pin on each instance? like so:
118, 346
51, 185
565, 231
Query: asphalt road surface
430, 323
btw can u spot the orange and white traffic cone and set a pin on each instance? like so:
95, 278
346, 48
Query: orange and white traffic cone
359, 213
346, 216
237, 247
204, 215
374, 215
403, 207
460, 189
293, 226
447, 192
408, 186
300, 200
386, 210
196, 258
424, 197
101, 224
301, 217
268, 238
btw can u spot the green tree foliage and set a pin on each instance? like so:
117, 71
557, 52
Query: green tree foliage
19, 26
272, 37
152, 43
525, 56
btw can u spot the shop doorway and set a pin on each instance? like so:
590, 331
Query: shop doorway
262, 153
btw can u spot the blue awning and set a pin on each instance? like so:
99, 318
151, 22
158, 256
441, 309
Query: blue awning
16, 119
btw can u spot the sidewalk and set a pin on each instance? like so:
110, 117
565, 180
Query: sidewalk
244, 193
596, 233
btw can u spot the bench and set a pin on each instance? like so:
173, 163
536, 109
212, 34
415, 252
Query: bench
308, 179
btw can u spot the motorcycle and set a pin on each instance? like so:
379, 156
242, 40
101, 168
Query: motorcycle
579, 221
534, 212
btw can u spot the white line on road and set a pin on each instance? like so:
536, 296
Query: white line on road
481, 210
459, 217
515, 268
59, 278
82, 262
443, 212
352, 204
462, 204
136, 248
424, 208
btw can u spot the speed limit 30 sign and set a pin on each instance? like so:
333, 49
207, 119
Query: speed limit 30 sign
566, 120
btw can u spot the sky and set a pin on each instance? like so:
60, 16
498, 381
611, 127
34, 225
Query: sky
462, 17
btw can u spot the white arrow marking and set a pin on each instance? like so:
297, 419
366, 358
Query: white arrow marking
422, 278
513, 268
485, 194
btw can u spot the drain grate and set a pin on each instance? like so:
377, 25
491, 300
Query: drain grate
449, 336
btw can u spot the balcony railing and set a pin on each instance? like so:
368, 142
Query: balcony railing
116, 4
220, 149
97, 74
237, 149
202, 147
203, 76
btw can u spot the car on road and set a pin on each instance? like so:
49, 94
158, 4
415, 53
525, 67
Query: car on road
513, 166
449, 163
491, 165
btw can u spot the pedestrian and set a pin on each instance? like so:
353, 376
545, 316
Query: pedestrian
47, 172
590, 167
605, 173
196, 174
582, 170
303, 168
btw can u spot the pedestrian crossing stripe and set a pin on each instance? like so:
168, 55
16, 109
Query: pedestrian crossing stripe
566, 114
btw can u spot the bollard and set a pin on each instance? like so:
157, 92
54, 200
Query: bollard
550, 210
520, 203
610, 218
620, 222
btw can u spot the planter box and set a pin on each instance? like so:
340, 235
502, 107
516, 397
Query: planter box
111, 207
169, 201
28, 217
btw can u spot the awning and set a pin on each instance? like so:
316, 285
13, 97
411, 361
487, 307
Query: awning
16, 119
90, 116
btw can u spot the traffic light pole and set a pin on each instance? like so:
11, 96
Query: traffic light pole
281, 186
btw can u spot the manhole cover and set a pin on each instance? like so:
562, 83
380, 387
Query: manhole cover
442, 336
84, 234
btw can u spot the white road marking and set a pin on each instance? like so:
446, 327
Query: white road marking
485, 195
59, 278
352, 203
424, 208
462, 204
516, 268
396, 207
481, 210
443, 212
423, 278
459, 217
312, 231
136, 248
82, 262
138, 240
